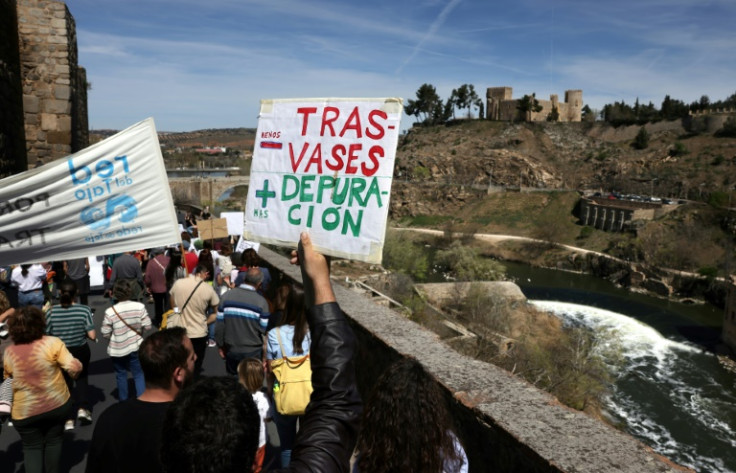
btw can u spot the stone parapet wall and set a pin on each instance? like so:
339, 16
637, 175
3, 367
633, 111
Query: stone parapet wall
504, 423
12, 135
51, 89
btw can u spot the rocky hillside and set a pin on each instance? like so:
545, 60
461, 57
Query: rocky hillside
449, 163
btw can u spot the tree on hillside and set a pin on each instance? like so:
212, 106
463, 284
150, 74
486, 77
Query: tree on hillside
554, 115
588, 115
528, 104
464, 97
728, 130
642, 139
426, 104
673, 109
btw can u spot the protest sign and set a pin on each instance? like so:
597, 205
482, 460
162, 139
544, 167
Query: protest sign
235, 222
244, 244
212, 228
326, 166
111, 197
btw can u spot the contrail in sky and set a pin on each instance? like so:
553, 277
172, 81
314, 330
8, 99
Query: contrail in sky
438, 22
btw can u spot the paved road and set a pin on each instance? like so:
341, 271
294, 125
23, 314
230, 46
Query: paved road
103, 392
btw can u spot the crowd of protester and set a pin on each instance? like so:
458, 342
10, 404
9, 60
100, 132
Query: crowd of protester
226, 300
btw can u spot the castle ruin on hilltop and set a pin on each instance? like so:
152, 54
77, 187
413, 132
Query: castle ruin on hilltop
43, 91
500, 106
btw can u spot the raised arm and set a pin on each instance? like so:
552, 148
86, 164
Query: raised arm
330, 428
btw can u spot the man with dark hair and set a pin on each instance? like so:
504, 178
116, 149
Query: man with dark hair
198, 436
192, 296
127, 266
127, 435
242, 317
213, 429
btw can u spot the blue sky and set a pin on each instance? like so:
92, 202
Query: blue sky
208, 63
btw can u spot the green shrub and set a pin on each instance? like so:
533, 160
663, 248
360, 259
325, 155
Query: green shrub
678, 149
708, 271
642, 139
585, 232
402, 255
465, 264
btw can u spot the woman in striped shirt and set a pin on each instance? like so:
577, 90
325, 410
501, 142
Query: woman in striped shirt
72, 323
124, 324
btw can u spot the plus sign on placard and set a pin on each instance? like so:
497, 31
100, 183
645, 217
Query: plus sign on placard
264, 194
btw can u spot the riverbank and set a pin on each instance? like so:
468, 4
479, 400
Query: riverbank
666, 283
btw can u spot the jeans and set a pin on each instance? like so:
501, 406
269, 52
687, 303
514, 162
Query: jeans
200, 347
122, 364
34, 298
78, 387
232, 360
42, 436
287, 428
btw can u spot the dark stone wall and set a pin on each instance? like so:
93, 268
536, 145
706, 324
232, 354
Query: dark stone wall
12, 134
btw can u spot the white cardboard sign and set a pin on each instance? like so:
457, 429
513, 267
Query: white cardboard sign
325, 166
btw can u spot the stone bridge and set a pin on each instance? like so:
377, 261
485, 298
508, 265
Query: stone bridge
195, 190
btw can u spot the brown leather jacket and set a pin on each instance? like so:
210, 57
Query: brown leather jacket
329, 429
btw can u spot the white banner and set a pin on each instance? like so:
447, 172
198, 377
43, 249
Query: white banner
326, 166
111, 197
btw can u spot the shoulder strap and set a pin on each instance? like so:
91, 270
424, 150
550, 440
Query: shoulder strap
190, 295
140, 334
155, 260
278, 337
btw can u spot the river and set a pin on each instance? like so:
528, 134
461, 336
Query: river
670, 393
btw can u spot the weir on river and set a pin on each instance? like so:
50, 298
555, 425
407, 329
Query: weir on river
670, 391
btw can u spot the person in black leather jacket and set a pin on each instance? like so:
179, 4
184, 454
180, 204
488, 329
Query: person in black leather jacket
329, 427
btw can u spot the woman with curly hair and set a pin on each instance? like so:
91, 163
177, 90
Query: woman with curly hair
41, 400
292, 335
405, 400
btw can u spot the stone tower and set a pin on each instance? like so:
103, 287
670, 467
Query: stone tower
12, 135
574, 101
495, 96
54, 86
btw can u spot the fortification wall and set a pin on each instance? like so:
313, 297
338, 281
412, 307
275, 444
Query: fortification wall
501, 106
504, 423
53, 107
12, 135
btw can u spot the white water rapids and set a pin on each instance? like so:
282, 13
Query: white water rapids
670, 394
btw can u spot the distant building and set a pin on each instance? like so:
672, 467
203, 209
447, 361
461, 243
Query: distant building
729, 318
500, 106
212, 150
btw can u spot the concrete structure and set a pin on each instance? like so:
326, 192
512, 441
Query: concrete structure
501, 106
504, 423
729, 317
616, 215
54, 87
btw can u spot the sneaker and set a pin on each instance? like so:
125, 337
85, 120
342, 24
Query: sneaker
84, 417
69, 425
211, 343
